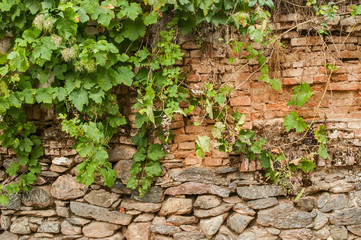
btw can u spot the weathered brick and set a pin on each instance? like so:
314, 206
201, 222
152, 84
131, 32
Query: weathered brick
186, 145
193, 78
177, 124
184, 138
196, 53
306, 41
190, 45
195, 129
344, 86
241, 101
213, 162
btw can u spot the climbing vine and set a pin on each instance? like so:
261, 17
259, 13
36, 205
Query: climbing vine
73, 55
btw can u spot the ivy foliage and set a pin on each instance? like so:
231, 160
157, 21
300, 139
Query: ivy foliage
73, 55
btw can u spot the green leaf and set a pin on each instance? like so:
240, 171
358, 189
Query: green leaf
150, 18
29, 94
31, 35
266, 159
226, 89
79, 98
153, 169
13, 168
83, 17
155, 151
18, 60
133, 30
66, 23
322, 151
132, 10
60, 93
257, 146
217, 129
301, 94
300, 194
306, 165
29, 178
4, 200
220, 99
140, 155
321, 135
203, 143
126, 75
109, 176
44, 95
292, 120
139, 119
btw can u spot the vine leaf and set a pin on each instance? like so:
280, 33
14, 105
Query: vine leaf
257, 145
126, 75
18, 60
322, 151
150, 18
133, 30
266, 159
13, 168
203, 146
292, 120
217, 129
306, 165
79, 98
155, 151
4, 200
301, 94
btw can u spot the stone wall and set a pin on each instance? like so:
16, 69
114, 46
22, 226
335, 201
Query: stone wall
221, 196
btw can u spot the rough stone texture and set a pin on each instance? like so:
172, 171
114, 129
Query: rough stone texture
181, 220
351, 216
66, 187
5, 222
323, 199
101, 198
144, 217
49, 227
210, 226
138, 231
296, 234
121, 152
242, 208
338, 233
307, 203
164, 229
263, 203
257, 192
20, 226
63, 161
38, 213
189, 236
225, 234
336, 202
14, 202
238, 222
207, 201
8, 236
37, 197
192, 188
99, 229
205, 213
284, 216
176, 206
154, 195
99, 213
122, 169
323, 233
199, 175
78, 221
130, 204
355, 229
69, 229
320, 220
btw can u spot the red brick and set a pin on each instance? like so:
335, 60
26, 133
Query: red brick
339, 77
290, 81
190, 45
320, 79
184, 138
195, 129
196, 53
344, 86
277, 106
244, 165
184, 154
213, 162
306, 41
186, 145
178, 131
192, 161
241, 101
177, 124
252, 166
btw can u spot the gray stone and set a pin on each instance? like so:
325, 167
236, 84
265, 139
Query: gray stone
8, 236
320, 221
355, 229
351, 216
139, 231
323, 199
338, 233
225, 234
37, 213
176, 206
99, 229
120, 188
20, 226
36, 197
257, 192
130, 204
14, 202
121, 152
99, 213
181, 220
66, 187
238, 222
154, 195
101, 198
210, 226
284, 216
323, 233
223, 170
263, 203
156, 236
78, 221
122, 169
62, 211
296, 234
63, 161
242, 208
317, 188
144, 217
233, 199
193, 188
69, 229
199, 175
307, 203
341, 187
203, 213
164, 229
5, 222
189, 236
49, 227
207, 201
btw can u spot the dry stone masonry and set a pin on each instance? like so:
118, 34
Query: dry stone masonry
221, 197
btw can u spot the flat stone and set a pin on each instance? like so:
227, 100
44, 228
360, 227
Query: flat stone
338, 232
351, 216
156, 236
257, 192
199, 175
63, 161
58, 169
296, 234
14, 202
66, 187
193, 188
323, 233
8, 236
20, 226
122, 169
263, 203
224, 170
139, 231
62, 211
144, 217
317, 188
238, 222
99, 213
207, 201
78, 221
176, 206
284, 216
164, 229
210, 226
233, 199
355, 229
336, 202
307, 203
205, 213
120, 188
49, 227
38, 213
181, 220
341, 187
320, 220
130, 204
101, 198
36, 197
225, 234
323, 199
121, 152
242, 208
189, 236
99, 229
69, 229
43, 236
5, 222
154, 195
